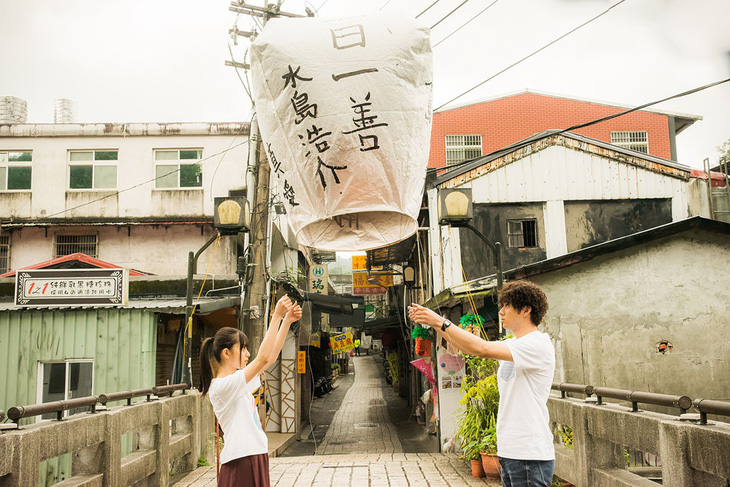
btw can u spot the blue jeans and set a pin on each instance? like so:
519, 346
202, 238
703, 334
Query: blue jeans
526, 473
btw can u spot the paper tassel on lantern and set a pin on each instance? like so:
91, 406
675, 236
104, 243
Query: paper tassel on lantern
344, 109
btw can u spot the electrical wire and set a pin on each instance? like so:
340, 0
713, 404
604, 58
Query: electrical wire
316, 10
427, 8
384, 5
532, 54
466, 23
603, 119
448, 14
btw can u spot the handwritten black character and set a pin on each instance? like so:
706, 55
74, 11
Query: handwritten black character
315, 136
292, 76
338, 77
321, 163
289, 193
349, 219
302, 107
276, 164
347, 37
364, 121
374, 145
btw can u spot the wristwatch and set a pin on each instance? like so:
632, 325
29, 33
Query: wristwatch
446, 324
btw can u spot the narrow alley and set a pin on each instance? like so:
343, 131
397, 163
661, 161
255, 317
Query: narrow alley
362, 445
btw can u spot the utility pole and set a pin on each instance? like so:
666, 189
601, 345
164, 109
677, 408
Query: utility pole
255, 303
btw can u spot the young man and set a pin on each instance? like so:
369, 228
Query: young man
527, 362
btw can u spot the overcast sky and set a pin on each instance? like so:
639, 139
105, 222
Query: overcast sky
163, 60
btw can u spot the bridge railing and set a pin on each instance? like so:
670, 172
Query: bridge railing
601, 434
168, 436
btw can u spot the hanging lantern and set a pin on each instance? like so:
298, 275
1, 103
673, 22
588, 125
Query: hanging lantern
422, 336
344, 109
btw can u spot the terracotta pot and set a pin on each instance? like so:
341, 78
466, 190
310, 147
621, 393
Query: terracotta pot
423, 347
476, 468
490, 463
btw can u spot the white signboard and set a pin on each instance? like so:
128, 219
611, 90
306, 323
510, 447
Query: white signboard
318, 278
93, 287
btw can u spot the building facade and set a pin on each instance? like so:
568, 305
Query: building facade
477, 129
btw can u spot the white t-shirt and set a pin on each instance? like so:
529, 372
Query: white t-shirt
235, 408
523, 424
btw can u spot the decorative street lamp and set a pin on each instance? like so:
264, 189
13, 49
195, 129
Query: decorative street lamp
455, 208
231, 217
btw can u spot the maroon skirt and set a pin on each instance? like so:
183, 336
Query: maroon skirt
251, 471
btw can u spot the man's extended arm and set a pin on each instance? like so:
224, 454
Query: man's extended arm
461, 339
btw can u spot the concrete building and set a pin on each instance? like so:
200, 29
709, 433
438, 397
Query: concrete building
470, 131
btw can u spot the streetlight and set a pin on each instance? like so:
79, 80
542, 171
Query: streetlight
231, 217
455, 208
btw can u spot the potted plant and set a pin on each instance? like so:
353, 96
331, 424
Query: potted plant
471, 453
423, 341
488, 450
473, 323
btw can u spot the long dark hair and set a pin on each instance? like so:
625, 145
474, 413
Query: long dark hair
210, 353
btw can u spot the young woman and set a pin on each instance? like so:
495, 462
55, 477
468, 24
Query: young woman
229, 379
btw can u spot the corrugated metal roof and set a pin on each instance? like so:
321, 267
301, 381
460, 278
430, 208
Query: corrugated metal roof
171, 305
122, 129
671, 166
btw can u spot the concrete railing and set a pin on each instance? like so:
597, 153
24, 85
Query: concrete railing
168, 434
691, 454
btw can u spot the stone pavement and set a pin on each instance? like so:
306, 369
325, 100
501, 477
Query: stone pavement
361, 424
360, 470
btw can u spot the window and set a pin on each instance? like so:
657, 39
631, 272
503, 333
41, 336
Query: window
61, 381
4, 253
71, 244
638, 141
461, 148
15, 170
93, 169
522, 233
178, 168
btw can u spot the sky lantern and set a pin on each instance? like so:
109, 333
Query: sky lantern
344, 109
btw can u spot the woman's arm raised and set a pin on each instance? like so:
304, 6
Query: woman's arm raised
266, 354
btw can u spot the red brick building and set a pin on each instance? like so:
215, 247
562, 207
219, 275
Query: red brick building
470, 131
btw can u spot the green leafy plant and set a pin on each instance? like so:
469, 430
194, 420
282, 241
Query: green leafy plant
203, 462
471, 319
336, 367
489, 441
566, 435
478, 412
421, 332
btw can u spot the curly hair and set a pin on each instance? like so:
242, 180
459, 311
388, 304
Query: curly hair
519, 294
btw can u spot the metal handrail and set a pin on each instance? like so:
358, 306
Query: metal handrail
575, 388
124, 395
159, 390
17, 413
708, 406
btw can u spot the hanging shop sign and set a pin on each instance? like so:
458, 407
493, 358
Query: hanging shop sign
342, 343
362, 286
345, 119
71, 287
318, 278
301, 362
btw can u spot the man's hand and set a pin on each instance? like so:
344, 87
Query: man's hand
294, 314
424, 316
283, 306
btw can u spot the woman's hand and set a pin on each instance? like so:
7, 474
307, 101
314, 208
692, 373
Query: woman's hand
424, 316
294, 314
283, 306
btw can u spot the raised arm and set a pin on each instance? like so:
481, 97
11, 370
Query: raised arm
461, 339
267, 354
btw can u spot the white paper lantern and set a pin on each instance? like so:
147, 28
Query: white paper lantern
344, 108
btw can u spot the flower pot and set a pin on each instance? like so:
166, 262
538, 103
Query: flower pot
476, 468
423, 347
490, 463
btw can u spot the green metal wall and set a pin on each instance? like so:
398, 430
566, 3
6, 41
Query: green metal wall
122, 343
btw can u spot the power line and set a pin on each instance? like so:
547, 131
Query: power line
384, 5
466, 23
144, 182
427, 8
533, 53
603, 119
447, 15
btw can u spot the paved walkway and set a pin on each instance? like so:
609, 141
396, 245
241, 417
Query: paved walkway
360, 470
361, 424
